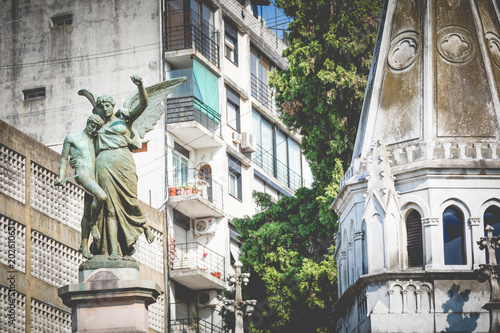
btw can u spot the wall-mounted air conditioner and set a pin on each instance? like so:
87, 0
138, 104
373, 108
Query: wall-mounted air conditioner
208, 298
204, 226
236, 137
248, 144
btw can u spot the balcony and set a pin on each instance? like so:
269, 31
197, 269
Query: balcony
263, 94
195, 193
186, 30
270, 164
192, 110
194, 325
197, 267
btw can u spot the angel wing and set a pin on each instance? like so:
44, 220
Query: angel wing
91, 97
157, 94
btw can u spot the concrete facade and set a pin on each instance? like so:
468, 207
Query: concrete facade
424, 178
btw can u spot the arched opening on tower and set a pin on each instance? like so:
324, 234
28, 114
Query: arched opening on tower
492, 218
453, 236
414, 243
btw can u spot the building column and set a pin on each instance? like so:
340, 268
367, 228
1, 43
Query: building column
433, 243
478, 256
343, 283
350, 263
358, 252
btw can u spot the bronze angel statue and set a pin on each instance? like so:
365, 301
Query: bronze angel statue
120, 220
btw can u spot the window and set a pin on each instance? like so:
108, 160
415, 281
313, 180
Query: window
234, 177
414, 240
453, 234
277, 154
181, 219
233, 109
34, 93
180, 164
231, 42
62, 20
260, 67
492, 218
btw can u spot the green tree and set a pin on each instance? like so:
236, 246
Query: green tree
287, 246
321, 92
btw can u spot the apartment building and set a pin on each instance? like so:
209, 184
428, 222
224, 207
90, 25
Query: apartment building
220, 140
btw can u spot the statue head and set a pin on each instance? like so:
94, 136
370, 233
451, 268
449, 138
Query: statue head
94, 123
105, 104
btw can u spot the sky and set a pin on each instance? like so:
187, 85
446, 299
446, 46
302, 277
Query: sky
275, 18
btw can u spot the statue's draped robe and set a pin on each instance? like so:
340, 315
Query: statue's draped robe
116, 174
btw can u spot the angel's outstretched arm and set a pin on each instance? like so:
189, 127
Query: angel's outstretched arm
143, 99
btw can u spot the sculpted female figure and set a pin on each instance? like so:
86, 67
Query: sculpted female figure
122, 219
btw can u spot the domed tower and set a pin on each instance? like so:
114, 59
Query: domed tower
424, 180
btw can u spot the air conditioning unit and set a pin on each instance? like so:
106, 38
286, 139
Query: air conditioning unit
236, 137
208, 298
204, 226
248, 144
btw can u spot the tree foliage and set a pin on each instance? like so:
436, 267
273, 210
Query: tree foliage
288, 246
321, 92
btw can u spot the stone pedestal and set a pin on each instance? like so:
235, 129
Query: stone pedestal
110, 297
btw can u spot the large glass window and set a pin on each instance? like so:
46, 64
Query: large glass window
180, 166
231, 42
453, 234
492, 218
233, 109
414, 240
234, 177
277, 154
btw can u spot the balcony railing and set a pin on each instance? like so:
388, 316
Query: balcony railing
197, 256
194, 325
187, 30
263, 94
189, 108
194, 181
278, 169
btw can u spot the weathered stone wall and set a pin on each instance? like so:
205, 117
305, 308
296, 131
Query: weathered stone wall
40, 235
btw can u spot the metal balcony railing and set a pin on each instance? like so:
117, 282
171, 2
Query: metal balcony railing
194, 325
193, 181
185, 29
197, 256
267, 161
263, 94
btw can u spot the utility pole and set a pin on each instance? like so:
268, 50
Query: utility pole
491, 271
238, 306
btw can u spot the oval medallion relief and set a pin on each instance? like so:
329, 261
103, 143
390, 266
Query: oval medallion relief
403, 51
455, 44
494, 47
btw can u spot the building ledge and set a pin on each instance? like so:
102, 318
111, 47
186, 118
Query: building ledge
197, 279
195, 206
195, 134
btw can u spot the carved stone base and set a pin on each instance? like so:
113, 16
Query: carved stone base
494, 308
109, 300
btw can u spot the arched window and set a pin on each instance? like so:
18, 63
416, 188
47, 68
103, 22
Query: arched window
492, 217
414, 240
453, 234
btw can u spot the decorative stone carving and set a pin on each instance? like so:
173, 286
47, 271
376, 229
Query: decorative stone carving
494, 47
430, 221
12, 174
46, 318
455, 44
474, 221
403, 51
